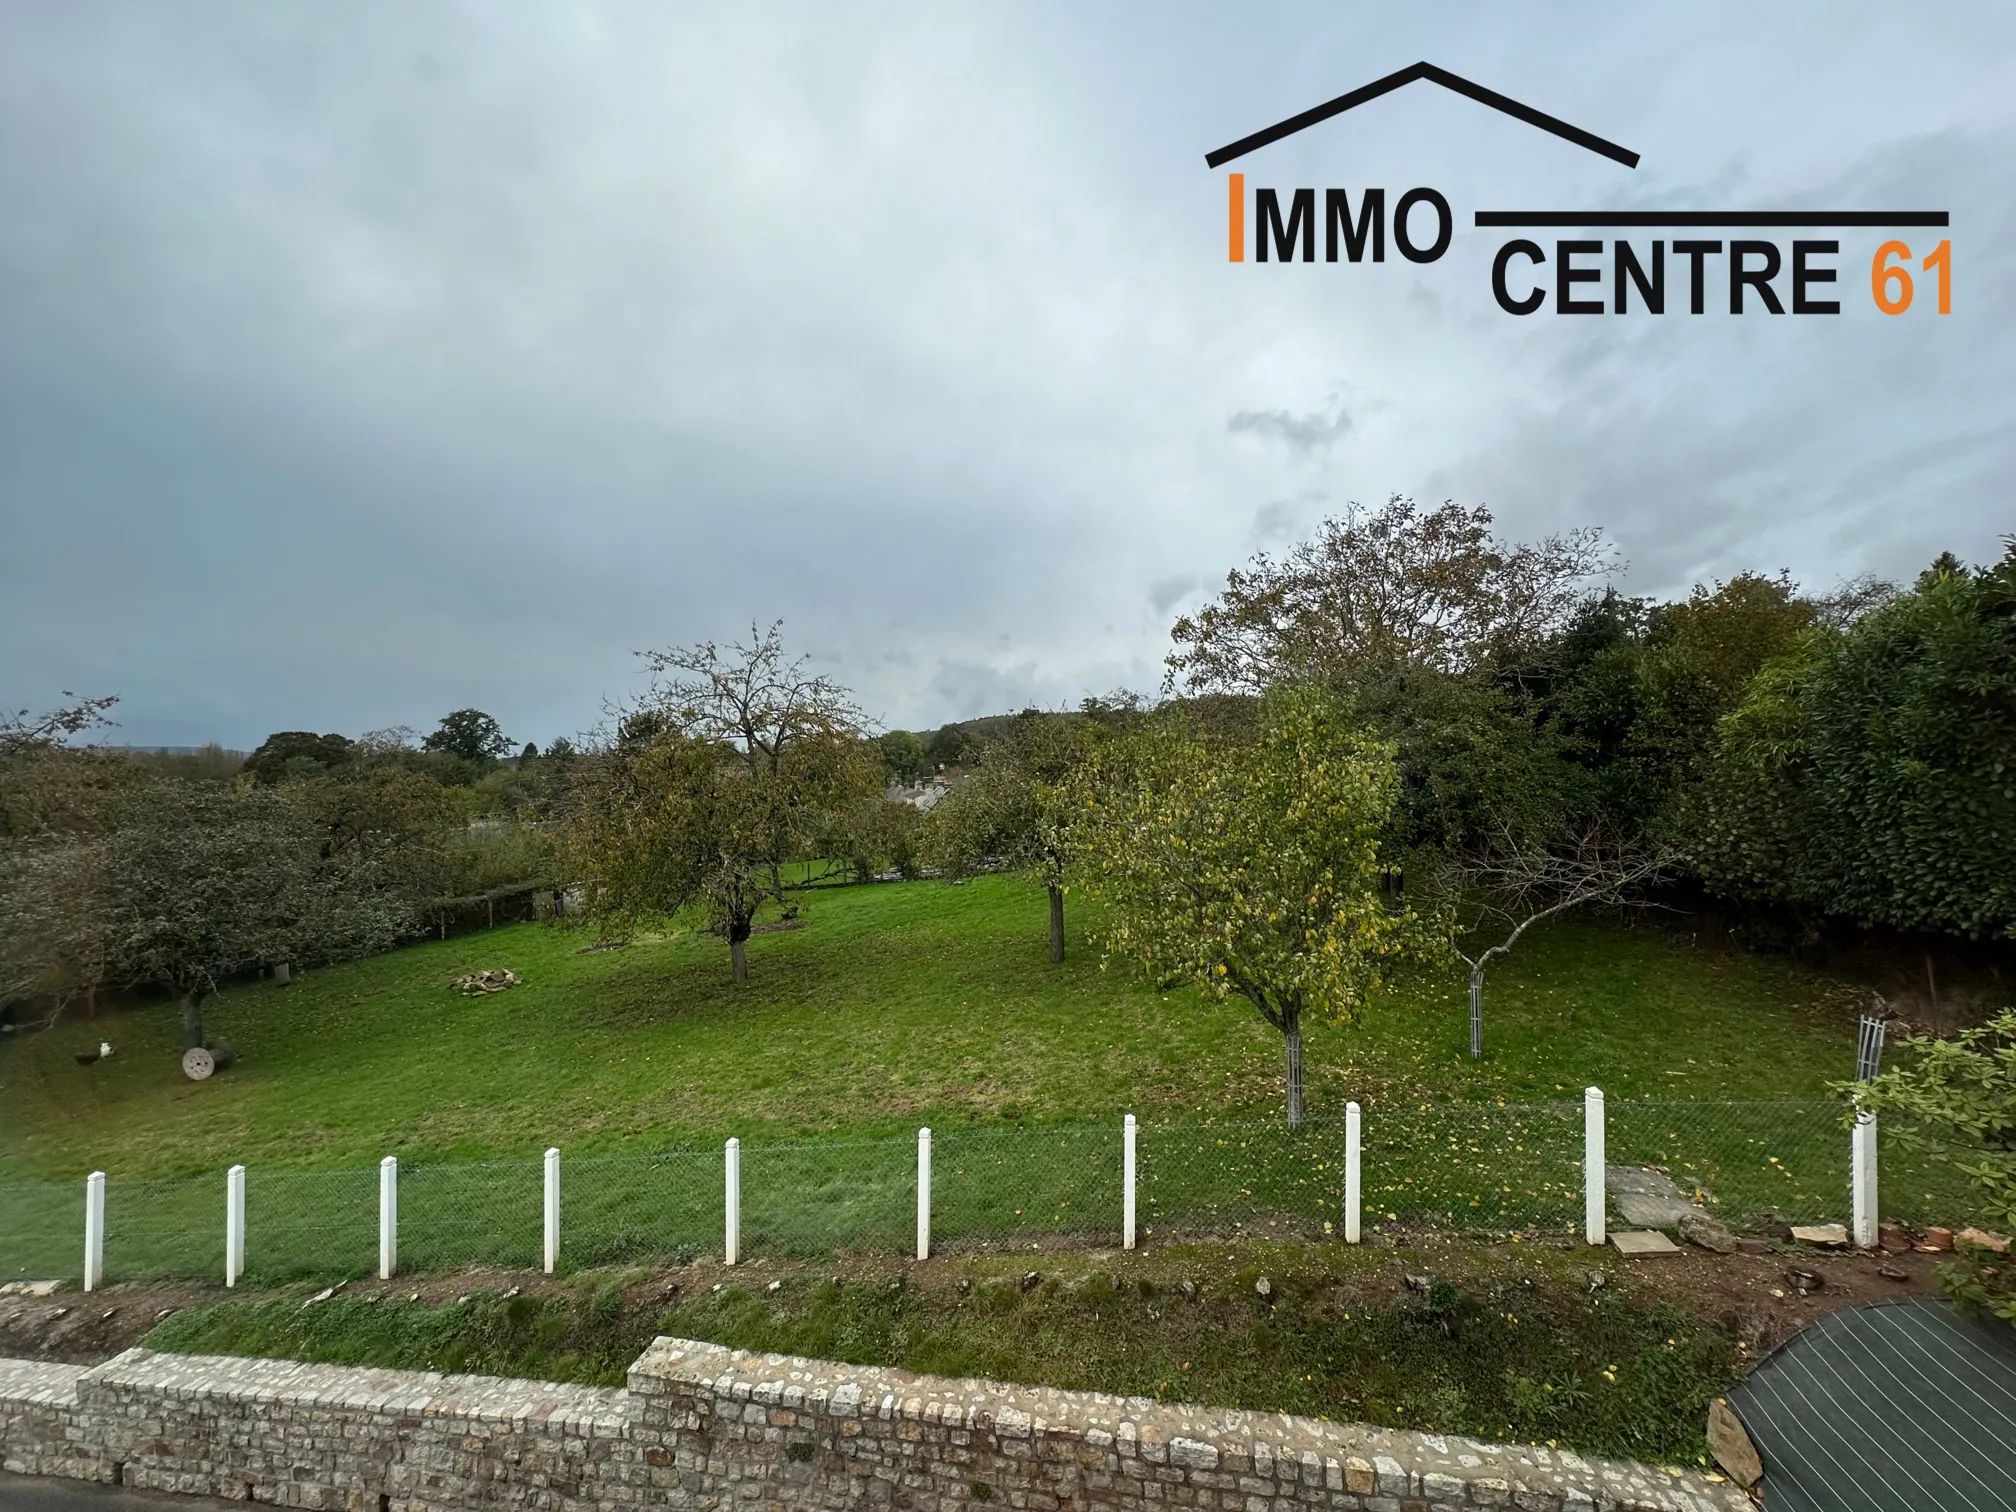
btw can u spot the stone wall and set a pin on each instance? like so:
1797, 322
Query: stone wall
701, 1427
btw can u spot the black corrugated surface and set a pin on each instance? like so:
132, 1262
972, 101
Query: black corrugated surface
1887, 1407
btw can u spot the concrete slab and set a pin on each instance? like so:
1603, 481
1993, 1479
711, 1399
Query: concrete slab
1644, 1242
1826, 1235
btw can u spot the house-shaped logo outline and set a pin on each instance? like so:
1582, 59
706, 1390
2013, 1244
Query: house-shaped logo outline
1433, 75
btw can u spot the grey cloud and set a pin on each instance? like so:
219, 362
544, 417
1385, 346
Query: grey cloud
361, 366
1168, 591
1282, 519
969, 689
1302, 433
1701, 462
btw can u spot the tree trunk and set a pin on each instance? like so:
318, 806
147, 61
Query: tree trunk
1476, 1013
738, 948
1293, 1035
192, 1019
1056, 923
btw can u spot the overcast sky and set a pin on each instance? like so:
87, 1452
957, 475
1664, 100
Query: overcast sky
362, 362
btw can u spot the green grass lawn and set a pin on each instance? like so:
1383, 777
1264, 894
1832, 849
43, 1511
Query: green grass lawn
1512, 1344
897, 1005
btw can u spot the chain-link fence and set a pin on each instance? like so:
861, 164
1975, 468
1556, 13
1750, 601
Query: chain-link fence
41, 1229
664, 1208
480, 1213
297, 1224
1495, 1167
167, 1226
1476, 1167
1026, 1185
1744, 1157
1489, 1167
819, 1199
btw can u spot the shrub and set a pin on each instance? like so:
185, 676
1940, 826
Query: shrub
1959, 1098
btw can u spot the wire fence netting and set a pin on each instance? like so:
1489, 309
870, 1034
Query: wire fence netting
1475, 1167
663, 1208
479, 1213
41, 1230
298, 1224
1743, 1158
1026, 1185
805, 1200
1479, 1166
165, 1227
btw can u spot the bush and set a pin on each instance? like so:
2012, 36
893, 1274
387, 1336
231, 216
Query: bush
1959, 1098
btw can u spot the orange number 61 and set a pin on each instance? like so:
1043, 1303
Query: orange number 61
1882, 275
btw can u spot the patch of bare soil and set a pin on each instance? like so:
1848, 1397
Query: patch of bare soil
1757, 1300
84, 1328
1762, 1300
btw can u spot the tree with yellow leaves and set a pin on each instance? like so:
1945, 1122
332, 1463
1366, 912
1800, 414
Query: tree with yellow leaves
1253, 866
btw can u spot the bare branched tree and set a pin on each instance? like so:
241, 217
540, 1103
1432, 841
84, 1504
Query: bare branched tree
737, 760
1513, 886
766, 706
26, 729
751, 695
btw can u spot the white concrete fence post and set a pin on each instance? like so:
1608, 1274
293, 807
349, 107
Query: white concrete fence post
1593, 1194
234, 1224
551, 1247
1127, 1165
94, 1230
923, 1194
1862, 1159
732, 1245
1353, 1216
388, 1217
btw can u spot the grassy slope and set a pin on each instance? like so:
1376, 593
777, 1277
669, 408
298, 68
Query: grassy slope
896, 1005
1516, 1347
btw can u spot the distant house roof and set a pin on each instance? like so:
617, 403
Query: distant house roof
1887, 1407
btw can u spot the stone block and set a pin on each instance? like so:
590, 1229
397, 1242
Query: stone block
1193, 1454
1393, 1477
1643, 1242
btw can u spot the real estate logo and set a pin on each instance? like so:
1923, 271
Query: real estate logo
1757, 272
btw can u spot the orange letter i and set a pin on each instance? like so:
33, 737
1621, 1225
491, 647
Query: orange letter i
1235, 212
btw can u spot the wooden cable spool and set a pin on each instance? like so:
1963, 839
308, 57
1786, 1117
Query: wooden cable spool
201, 1063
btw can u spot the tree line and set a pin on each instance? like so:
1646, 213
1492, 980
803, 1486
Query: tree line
120, 870
1400, 738
1838, 758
